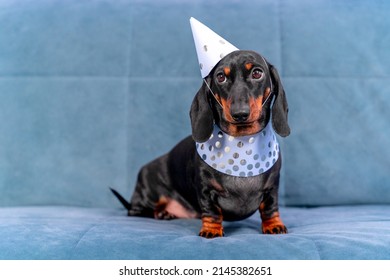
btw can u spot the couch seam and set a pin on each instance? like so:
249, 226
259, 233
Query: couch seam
79, 240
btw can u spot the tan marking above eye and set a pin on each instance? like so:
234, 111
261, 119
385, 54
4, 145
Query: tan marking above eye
226, 70
248, 66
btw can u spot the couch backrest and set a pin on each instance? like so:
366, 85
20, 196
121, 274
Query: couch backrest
336, 67
92, 90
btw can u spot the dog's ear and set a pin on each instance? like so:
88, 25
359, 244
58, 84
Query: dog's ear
201, 115
280, 106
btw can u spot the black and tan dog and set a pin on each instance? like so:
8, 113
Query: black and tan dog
242, 94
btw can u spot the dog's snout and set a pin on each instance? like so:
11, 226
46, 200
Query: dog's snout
241, 115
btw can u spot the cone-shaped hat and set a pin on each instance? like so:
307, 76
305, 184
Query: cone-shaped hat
210, 47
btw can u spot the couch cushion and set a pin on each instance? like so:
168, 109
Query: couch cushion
339, 151
81, 98
336, 70
354, 232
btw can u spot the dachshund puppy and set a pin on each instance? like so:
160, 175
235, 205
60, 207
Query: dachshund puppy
229, 168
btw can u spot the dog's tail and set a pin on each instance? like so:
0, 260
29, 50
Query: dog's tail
124, 202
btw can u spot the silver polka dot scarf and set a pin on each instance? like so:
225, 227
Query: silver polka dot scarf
244, 156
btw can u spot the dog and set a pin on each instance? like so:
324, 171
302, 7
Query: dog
240, 97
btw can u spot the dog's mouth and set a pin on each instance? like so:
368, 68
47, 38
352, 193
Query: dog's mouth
237, 129
243, 124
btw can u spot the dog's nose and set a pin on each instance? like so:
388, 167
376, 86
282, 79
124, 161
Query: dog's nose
241, 116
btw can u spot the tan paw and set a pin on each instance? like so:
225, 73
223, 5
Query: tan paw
273, 225
211, 228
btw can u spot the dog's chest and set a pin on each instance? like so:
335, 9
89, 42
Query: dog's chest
241, 197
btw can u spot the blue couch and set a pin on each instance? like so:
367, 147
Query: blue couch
92, 90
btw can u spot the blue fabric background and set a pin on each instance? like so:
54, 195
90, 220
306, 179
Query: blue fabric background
92, 90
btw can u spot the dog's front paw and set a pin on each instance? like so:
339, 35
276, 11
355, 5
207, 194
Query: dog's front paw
211, 233
275, 229
273, 225
211, 228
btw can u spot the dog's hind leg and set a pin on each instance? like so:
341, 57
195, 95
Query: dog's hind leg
168, 208
147, 192
161, 212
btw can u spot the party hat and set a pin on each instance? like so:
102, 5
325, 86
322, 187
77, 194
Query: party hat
210, 47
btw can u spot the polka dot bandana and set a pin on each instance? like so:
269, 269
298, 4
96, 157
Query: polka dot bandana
244, 156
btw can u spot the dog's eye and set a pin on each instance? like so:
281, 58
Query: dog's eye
257, 74
221, 78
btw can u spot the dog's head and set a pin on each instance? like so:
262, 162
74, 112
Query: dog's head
244, 85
